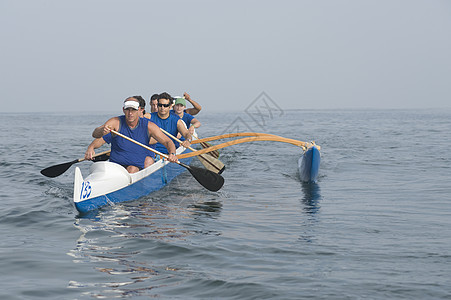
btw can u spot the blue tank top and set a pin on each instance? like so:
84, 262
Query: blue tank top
127, 153
169, 124
187, 118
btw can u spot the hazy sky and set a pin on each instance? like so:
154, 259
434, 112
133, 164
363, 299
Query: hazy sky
83, 55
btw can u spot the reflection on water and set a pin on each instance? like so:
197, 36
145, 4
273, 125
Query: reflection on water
131, 245
208, 208
312, 195
310, 205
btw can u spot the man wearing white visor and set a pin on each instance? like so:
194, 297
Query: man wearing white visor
124, 152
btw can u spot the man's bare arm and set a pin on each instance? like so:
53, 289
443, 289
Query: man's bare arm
194, 110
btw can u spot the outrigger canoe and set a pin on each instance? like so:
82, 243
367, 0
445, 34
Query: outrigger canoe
109, 183
308, 164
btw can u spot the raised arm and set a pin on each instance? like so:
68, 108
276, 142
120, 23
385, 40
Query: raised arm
194, 110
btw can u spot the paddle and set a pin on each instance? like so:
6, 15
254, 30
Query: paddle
209, 180
274, 138
214, 154
211, 163
57, 170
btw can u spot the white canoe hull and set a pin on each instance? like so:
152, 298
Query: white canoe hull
109, 183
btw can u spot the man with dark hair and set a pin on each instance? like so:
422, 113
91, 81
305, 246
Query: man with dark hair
169, 122
165, 95
133, 157
153, 105
142, 105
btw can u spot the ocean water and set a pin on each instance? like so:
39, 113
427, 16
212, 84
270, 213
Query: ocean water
376, 225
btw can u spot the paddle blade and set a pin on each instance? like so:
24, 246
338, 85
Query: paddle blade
211, 163
57, 170
214, 153
209, 180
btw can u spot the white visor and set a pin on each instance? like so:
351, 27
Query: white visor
132, 104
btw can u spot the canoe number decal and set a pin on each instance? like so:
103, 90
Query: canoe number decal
85, 190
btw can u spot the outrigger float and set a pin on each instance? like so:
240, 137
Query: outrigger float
308, 163
109, 183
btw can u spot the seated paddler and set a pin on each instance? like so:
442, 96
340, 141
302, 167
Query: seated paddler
180, 110
124, 152
169, 122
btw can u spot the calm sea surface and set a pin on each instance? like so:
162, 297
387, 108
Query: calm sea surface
377, 224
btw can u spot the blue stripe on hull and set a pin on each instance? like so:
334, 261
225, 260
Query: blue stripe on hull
145, 186
309, 165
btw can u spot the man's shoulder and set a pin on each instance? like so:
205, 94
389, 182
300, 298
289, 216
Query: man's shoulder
172, 113
188, 115
116, 119
144, 120
153, 115
174, 116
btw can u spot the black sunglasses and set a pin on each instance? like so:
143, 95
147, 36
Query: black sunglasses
165, 105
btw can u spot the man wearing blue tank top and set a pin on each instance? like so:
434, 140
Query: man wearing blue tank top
190, 121
169, 122
133, 157
96, 143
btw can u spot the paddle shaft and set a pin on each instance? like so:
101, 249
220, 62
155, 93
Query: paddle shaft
96, 155
205, 159
140, 144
